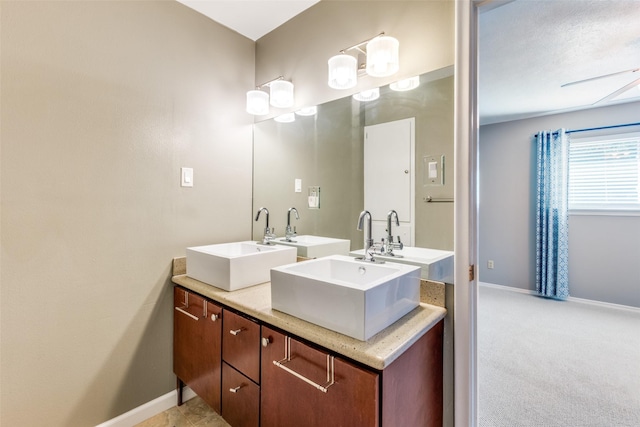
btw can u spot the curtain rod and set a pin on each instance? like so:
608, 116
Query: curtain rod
597, 128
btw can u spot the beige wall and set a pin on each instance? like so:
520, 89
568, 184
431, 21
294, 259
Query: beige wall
299, 49
101, 104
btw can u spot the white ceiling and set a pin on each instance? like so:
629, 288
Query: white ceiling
528, 49
251, 18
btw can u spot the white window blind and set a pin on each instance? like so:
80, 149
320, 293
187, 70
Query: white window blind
604, 172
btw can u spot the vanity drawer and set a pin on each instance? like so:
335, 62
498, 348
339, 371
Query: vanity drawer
240, 399
241, 344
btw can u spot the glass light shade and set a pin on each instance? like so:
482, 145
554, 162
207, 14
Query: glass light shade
285, 118
405, 84
307, 111
343, 71
382, 56
281, 94
367, 95
257, 102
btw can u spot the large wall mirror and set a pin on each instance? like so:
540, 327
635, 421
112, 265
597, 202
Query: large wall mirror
325, 151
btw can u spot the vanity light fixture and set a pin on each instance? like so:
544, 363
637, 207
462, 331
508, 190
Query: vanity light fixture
343, 71
257, 102
381, 54
405, 84
281, 96
285, 118
367, 95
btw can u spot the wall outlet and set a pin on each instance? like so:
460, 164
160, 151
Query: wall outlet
490, 264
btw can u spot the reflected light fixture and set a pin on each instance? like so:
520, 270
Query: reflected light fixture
382, 60
307, 111
405, 84
285, 118
367, 95
281, 96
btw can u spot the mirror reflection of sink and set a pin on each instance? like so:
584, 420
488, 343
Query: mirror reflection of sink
237, 265
317, 246
435, 264
355, 298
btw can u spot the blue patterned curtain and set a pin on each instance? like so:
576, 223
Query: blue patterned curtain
552, 234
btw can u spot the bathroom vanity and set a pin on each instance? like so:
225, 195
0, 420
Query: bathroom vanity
261, 367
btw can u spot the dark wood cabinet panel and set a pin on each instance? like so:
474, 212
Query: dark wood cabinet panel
240, 399
241, 344
197, 329
412, 393
289, 401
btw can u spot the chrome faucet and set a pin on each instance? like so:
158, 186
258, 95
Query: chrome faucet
388, 245
368, 240
268, 233
288, 234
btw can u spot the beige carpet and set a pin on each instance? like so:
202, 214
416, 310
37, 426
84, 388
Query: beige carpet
549, 363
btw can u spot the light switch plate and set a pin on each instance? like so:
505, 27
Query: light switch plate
186, 177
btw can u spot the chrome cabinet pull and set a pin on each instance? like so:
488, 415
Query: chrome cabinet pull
236, 331
287, 358
187, 313
214, 317
236, 389
266, 341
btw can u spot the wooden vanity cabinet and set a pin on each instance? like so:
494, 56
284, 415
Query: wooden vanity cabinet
197, 338
290, 401
254, 375
240, 370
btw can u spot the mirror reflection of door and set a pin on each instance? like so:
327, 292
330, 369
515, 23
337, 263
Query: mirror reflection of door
389, 178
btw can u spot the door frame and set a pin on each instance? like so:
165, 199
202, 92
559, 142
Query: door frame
466, 212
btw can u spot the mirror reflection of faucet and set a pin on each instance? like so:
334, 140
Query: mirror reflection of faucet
269, 234
388, 245
289, 233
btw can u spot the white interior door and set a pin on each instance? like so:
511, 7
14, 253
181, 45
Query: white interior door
389, 182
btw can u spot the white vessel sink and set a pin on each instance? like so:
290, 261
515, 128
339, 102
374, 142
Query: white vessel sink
435, 264
355, 298
317, 246
232, 266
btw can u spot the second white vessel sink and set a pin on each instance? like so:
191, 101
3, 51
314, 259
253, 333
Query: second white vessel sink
355, 298
317, 246
237, 265
435, 264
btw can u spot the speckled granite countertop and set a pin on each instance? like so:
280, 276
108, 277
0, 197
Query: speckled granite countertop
378, 352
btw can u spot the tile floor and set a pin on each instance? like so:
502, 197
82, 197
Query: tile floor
193, 413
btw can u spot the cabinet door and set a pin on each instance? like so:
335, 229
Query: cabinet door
240, 399
287, 400
197, 329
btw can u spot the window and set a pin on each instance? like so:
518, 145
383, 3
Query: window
604, 172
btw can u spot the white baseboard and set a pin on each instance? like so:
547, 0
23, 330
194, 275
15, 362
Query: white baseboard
149, 409
572, 299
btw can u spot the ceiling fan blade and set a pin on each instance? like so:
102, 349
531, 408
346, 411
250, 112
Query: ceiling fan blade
601, 77
619, 91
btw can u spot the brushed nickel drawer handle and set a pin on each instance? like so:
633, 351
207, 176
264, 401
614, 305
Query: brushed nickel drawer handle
236, 331
236, 389
187, 313
330, 368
